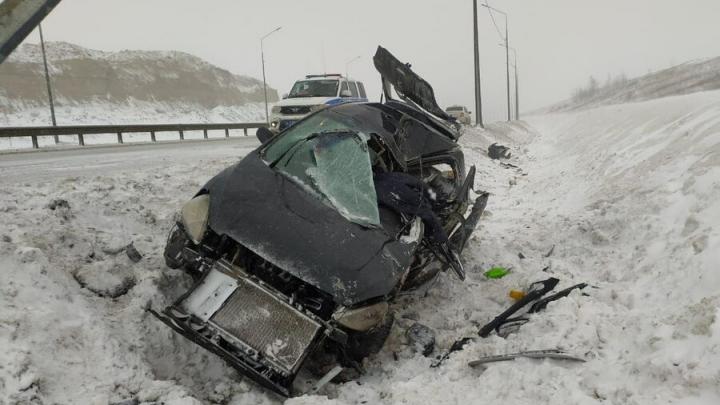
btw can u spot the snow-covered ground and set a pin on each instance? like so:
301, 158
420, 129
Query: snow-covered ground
628, 195
131, 112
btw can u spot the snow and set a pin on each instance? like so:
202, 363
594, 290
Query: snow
132, 112
628, 195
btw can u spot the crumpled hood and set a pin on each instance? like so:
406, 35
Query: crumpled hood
277, 219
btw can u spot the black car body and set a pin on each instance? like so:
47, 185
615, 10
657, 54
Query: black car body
293, 255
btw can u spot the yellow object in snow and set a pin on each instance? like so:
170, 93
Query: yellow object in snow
517, 294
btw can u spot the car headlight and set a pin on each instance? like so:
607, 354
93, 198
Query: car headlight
362, 319
275, 109
317, 107
194, 216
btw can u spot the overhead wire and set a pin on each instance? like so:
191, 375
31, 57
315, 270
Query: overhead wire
492, 17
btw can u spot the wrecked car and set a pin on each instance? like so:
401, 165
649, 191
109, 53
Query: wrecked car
299, 249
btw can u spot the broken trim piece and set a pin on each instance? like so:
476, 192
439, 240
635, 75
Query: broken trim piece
555, 354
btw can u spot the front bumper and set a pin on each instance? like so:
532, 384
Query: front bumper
281, 122
249, 324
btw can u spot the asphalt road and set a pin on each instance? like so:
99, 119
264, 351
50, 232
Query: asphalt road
90, 161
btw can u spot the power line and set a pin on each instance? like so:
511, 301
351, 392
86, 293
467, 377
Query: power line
492, 17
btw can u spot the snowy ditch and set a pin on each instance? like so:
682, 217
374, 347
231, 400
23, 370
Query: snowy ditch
628, 195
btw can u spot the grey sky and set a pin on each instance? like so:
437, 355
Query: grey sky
560, 42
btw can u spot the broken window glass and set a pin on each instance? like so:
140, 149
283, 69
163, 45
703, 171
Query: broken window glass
325, 154
344, 174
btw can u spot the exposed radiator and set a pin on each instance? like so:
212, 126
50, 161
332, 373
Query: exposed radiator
266, 324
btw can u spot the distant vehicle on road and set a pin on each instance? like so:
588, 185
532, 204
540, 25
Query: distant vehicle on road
460, 113
314, 93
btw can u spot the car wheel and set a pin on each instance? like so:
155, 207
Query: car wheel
363, 344
173, 249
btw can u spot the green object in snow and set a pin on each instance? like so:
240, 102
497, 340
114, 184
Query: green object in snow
497, 272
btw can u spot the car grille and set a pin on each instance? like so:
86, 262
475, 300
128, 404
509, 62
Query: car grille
295, 110
267, 324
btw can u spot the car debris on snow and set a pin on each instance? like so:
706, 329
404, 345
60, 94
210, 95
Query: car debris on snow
554, 354
58, 203
132, 253
550, 252
504, 323
421, 338
497, 151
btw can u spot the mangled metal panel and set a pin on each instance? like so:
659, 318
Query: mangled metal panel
17, 19
407, 83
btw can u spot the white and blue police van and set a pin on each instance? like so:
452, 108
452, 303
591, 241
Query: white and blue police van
313, 93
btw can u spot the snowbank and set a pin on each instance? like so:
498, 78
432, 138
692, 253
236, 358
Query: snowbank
628, 195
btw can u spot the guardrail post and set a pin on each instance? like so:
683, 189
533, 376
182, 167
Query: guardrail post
227, 133
81, 140
152, 136
245, 131
120, 140
205, 133
35, 142
182, 136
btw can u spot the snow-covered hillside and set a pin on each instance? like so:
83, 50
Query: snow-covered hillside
97, 87
689, 77
628, 195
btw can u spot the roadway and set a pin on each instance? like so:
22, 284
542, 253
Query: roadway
41, 165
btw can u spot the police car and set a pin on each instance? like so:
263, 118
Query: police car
313, 93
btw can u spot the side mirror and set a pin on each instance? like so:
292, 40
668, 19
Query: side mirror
263, 134
345, 93
284, 96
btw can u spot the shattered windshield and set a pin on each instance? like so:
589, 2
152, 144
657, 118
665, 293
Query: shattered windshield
329, 156
314, 88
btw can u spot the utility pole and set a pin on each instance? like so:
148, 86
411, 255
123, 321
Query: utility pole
47, 81
478, 96
517, 85
507, 67
262, 58
507, 57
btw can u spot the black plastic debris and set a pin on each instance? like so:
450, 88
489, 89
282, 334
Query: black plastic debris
422, 338
497, 151
542, 303
455, 347
550, 252
133, 253
58, 203
536, 290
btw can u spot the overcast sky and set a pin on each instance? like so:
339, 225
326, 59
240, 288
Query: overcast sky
560, 43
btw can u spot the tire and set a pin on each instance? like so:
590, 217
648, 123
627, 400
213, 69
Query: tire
363, 344
173, 249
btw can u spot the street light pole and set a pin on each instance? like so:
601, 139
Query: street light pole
262, 58
478, 97
507, 57
347, 64
517, 85
47, 81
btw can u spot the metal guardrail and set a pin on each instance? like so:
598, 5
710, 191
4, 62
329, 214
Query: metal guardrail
81, 130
